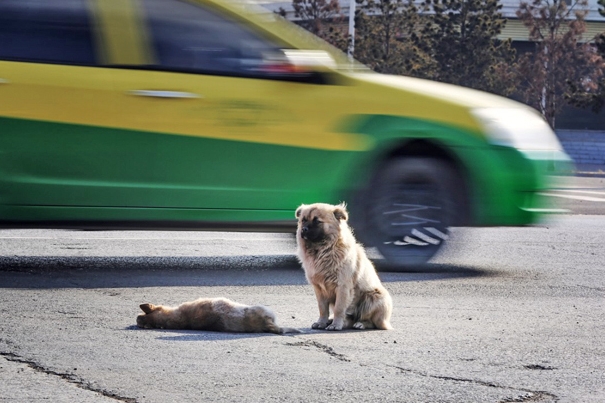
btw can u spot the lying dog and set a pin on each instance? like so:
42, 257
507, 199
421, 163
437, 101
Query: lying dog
341, 274
214, 314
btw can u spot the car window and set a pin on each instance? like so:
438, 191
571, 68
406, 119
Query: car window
46, 31
188, 37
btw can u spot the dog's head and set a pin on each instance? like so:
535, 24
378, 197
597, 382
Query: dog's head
147, 320
320, 222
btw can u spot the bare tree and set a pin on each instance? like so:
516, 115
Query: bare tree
386, 37
321, 17
559, 58
453, 41
591, 94
462, 38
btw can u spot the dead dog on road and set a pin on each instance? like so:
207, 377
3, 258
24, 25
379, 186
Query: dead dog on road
339, 270
213, 314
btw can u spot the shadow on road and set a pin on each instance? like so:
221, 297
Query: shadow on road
431, 271
127, 272
206, 335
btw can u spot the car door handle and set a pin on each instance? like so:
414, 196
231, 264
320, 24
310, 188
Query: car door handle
164, 94
3, 81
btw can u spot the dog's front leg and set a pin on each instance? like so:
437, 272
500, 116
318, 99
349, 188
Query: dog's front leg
344, 297
323, 303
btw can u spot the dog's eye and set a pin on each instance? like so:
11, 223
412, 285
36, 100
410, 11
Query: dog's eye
316, 221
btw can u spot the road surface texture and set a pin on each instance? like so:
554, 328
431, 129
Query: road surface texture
501, 315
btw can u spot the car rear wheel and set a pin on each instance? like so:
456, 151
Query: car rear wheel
411, 204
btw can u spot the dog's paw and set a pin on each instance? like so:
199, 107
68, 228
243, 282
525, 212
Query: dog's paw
334, 327
359, 326
319, 325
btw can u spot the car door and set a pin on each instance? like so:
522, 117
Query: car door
217, 129
54, 95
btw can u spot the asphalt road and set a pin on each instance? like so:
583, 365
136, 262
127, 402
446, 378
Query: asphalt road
579, 195
502, 315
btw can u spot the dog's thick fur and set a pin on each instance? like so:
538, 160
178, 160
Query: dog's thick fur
214, 314
339, 270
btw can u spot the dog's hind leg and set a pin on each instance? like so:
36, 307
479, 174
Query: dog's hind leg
364, 324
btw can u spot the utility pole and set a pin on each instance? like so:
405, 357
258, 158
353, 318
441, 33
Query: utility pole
351, 50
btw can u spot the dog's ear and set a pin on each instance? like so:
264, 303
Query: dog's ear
147, 308
299, 210
340, 212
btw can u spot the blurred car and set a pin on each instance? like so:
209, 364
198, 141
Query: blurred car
170, 114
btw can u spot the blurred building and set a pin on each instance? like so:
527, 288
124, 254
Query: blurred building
515, 30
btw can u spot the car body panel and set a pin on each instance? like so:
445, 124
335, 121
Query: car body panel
124, 142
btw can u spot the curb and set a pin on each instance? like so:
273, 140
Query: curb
590, 174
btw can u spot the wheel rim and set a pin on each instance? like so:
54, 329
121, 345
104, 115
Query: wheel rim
411, 220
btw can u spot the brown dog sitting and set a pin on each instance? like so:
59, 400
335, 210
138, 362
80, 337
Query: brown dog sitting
214, 314
339, 270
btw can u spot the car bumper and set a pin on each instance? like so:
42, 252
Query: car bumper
508, 185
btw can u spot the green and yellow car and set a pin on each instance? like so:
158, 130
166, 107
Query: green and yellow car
174, 114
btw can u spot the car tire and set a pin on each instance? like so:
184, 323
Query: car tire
411, 204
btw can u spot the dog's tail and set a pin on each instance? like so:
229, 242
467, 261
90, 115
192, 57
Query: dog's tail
383, 325
271, 327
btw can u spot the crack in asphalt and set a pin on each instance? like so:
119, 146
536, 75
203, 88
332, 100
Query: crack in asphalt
322, 347
601, 289
527, 396
79, 382
539, 367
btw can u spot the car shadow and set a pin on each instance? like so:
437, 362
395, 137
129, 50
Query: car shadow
191, 271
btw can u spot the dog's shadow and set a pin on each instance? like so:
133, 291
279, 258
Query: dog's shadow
205, 335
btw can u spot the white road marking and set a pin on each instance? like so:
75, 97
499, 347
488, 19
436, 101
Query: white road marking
583, 198
592, 192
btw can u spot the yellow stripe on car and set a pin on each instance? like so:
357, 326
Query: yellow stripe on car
120, 37
101, 97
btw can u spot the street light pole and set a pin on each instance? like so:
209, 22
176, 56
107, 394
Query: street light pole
351, 29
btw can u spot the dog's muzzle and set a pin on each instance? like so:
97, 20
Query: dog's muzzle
304, 231
311, 234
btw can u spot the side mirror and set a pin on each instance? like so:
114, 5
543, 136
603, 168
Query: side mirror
295, 62
310, 60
